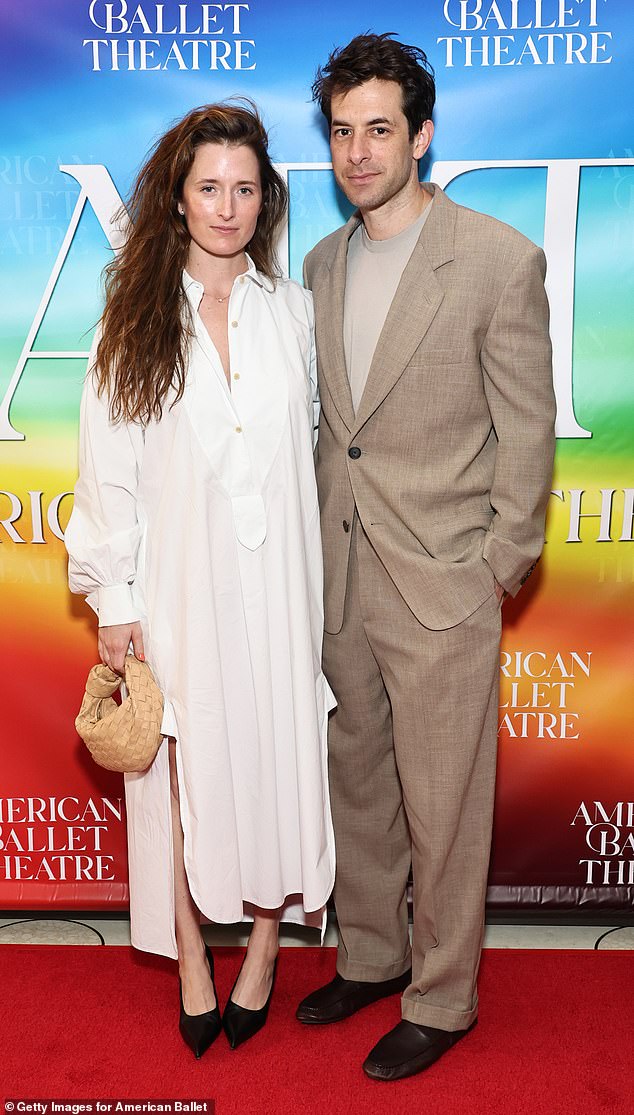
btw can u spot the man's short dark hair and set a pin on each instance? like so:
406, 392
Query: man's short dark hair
379, 56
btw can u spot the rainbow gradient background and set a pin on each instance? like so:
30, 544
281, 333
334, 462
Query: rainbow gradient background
581, 599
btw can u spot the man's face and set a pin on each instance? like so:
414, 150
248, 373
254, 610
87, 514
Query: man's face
373, 158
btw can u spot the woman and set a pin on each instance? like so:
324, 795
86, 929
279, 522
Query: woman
195, 536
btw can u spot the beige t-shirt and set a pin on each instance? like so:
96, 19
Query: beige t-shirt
374, 270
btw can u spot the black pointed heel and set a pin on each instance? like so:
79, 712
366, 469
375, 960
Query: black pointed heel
241, 1023
199, 1031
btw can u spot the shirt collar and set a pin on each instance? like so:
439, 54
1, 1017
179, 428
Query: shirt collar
190, 284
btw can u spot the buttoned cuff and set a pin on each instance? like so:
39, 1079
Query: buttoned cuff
114, 604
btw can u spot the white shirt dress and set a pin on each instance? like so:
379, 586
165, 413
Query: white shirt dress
205, 527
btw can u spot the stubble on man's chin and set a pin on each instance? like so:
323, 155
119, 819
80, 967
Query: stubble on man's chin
363, 203
369, 204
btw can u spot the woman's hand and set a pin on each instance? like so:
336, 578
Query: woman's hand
114, 641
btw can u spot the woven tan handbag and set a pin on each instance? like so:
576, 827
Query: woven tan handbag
126, 736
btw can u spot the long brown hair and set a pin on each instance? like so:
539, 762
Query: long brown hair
146, 330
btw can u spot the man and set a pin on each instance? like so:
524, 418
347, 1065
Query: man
434, 465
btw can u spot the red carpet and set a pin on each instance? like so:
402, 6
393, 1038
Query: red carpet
555, 1037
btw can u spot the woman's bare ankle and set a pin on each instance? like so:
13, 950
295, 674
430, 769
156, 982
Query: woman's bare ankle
191, 950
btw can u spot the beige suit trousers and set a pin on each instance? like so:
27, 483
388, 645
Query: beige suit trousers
412, 773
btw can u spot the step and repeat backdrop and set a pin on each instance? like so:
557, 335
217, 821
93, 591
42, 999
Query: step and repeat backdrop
534, 126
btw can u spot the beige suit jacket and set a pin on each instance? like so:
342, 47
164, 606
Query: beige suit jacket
448, 460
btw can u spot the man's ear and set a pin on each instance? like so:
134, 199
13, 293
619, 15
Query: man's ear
423, 139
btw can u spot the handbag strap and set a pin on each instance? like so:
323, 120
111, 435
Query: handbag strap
102, 681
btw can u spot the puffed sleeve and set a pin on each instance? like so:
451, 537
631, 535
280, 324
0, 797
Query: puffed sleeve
103, 534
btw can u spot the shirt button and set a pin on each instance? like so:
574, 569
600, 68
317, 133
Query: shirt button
346, 525
236, 375
354, 452
234, 324
238, 429
242, 278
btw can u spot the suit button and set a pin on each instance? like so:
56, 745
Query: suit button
354, 452
346, 525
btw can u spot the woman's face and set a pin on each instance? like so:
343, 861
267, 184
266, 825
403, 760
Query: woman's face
222, 197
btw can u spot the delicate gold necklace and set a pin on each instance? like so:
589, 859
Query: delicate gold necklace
206, 294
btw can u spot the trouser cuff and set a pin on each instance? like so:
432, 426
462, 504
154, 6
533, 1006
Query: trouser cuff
373, 973
426, 1014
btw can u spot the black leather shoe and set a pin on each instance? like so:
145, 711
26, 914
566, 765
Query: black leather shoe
200, 1030
241, 1023
408, 1049
342, 997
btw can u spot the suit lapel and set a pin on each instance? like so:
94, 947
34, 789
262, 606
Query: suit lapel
330, 290
415, 304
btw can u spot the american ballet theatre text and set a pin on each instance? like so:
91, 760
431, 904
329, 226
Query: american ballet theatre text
493, 33
169, 37
61, 839
609, 837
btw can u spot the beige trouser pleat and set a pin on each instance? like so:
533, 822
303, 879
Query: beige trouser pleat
412, 775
